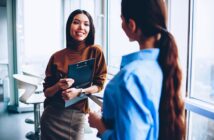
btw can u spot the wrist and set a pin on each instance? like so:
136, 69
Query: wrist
81, 91
58, 87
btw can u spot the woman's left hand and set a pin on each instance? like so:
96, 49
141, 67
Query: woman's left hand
70, 93
95, 121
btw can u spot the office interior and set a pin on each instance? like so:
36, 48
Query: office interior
32, 30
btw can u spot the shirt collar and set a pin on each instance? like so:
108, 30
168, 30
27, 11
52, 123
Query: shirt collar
146, 54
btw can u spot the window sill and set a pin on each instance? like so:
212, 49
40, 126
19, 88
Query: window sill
199, 107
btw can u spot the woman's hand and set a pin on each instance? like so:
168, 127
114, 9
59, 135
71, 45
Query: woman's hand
95, 121
70, 93
65, 83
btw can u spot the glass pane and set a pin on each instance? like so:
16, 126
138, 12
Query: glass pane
3, 52
118, 43
200, 128
203, 46
3, 36
94, 8
39, 33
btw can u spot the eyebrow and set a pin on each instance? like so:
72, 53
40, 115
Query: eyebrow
80, 20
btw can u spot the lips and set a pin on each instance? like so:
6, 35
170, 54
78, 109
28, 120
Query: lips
80, 33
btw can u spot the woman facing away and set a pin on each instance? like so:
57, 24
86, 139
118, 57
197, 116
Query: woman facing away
58, 122
143, 101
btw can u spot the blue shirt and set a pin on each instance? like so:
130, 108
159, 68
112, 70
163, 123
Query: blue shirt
131, 99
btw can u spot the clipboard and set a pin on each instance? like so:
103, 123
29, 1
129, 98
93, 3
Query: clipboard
82, 73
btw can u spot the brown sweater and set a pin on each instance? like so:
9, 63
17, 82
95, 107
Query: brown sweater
58, 68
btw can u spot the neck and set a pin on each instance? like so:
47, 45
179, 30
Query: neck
76, 45
147, 43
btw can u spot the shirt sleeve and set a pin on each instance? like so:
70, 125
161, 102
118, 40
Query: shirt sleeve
52, 75
100, 70
133, 119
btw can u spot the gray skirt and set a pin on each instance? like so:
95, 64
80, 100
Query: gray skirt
62, 124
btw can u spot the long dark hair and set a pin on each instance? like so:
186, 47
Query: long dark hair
150, 16
91, 35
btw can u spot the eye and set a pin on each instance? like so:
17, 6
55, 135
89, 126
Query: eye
76, 22
86, 24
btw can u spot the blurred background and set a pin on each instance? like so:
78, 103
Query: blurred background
32, 30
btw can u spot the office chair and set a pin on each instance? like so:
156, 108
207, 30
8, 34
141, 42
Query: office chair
32, 94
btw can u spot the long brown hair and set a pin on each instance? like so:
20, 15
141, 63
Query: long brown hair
150, 16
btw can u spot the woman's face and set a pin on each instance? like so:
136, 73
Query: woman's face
80, 27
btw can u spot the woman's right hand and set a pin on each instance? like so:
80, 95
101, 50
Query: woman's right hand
65, 83
62, 84
95, 121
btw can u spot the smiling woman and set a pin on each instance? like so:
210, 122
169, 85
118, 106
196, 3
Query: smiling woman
58, 122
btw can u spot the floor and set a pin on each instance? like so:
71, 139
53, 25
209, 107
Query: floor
13, 126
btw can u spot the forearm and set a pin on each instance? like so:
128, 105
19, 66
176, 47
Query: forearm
51, 91
91, 89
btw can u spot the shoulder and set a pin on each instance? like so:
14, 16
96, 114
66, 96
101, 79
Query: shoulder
96, 48
142, 72
142, 67
59, 53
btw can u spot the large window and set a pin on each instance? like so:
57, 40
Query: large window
39, 33
3, 35
202, 54
118, 42
3, 52
200, 101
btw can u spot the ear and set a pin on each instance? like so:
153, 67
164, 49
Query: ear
132, 25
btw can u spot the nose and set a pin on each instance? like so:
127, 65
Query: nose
81, 26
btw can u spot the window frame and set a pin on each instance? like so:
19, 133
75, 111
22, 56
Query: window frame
192, 104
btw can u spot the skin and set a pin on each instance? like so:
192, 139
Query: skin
80, 27
79, 30
134, 34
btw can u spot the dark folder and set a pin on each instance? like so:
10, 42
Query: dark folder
82, 73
